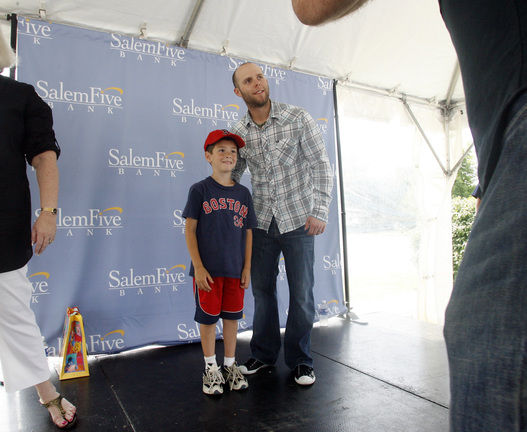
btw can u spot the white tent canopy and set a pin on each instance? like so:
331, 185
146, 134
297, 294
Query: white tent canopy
395, 67
402, 46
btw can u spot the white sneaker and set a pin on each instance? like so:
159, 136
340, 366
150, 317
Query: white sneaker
304, 375
213, 380
234, 377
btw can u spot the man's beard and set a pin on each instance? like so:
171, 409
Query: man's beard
253, 102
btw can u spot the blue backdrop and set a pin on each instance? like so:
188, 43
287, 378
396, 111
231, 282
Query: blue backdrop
131, 116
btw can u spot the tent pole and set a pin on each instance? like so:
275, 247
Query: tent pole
447, 112
453, 83
350, 315
342, 203
446, 128
462, 157
423, 134
14, 22
392, 93
183, 42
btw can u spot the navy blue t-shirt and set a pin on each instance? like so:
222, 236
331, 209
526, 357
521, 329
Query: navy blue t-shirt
224, 213
490, 37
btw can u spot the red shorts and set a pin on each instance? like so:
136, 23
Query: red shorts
225, 300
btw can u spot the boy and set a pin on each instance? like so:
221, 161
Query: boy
218, 230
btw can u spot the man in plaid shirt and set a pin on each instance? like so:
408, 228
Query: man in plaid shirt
291, 181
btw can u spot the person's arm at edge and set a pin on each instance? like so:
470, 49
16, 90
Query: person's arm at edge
47, 172
315, 12
476, 193
246, 271
201, 275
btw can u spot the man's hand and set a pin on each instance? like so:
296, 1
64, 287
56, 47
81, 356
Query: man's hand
43, 231
202, 279
315, 12
314, 226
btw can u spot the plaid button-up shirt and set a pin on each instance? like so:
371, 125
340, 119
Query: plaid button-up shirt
291, 175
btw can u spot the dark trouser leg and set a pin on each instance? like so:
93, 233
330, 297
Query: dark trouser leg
265, 342
298, 250
486, 319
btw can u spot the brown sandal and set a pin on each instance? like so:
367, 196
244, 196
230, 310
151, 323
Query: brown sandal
57, 403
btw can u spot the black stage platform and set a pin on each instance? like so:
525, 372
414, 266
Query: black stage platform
388, 376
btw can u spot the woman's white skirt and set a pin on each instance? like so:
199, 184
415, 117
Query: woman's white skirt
22, 354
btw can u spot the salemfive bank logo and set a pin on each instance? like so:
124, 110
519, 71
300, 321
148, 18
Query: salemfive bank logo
95, 220
332, 308
39, 285
139, 164
281, 269
178, 221
131, 282
186, 110
322, 123
142, 48
87, 99
188, 332
325, 85
35, 29
270, 72
332, 263
113, 341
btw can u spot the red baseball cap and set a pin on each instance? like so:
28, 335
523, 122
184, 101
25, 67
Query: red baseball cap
219, 134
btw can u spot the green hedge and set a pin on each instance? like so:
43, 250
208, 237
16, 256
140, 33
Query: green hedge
463, 212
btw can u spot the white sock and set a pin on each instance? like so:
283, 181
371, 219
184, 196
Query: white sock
210, 361
228, 361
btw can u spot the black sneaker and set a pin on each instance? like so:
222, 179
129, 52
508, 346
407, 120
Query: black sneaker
304, 375
252, 366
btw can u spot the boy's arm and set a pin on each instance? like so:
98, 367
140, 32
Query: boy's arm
201, 275
246, 271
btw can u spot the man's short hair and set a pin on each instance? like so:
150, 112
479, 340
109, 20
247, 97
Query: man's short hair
234, 73
234, 78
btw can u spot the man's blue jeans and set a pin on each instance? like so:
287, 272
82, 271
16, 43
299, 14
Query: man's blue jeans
486, 319
298, 250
